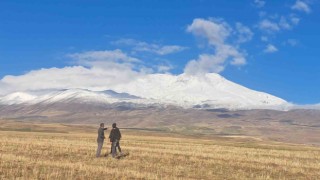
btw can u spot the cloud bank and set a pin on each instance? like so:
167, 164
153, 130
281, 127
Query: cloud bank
96, 70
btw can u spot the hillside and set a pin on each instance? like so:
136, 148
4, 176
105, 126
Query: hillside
296, 126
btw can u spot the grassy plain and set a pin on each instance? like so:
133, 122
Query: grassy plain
57, 151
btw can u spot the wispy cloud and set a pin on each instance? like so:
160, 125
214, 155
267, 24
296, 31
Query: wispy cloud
244, 33
292, 42
270, 49
259, 3
284, 23
150, 47
278, 24
301, 6
269, 26
216, 32
103, 56
272, 24
294, 20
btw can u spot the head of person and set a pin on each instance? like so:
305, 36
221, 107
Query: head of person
101, 125
114, 125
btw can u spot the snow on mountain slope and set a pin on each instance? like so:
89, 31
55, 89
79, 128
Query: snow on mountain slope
211, 91
17, 98
70, 95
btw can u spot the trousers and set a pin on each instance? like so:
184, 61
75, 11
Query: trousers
114, 146
100, 145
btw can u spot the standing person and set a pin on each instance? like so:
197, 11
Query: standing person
100, 138
114, 137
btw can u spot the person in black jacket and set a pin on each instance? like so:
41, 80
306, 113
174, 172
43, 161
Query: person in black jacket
115, 137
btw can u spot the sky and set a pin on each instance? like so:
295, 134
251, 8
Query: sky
265, 45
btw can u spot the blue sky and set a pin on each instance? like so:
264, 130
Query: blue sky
270, 46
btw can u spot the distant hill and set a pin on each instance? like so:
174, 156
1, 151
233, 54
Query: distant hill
297, 126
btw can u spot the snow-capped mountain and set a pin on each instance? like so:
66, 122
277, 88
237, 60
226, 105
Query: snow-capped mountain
208, 91
69, 95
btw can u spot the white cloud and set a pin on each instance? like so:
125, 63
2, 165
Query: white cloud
244, 33
268, 26
270, 49
278, 24
93, 70
216, 32
169, 49
259, 3
301, 6
205, 63
150, 47
90, 57
70, 77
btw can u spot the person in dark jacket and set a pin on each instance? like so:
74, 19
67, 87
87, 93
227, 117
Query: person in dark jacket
100, 138
115, 137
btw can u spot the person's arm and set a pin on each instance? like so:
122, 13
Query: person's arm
119, 134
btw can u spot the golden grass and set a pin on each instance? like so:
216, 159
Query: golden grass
39, 155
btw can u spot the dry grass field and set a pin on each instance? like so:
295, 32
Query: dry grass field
56, 151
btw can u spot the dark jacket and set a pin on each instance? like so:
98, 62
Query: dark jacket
115, 134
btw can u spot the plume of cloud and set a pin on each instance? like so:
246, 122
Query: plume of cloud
216, 33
